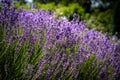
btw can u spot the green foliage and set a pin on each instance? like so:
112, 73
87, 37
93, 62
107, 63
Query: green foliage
101, 21
69, 10
19, 5
37, 53
50, 6
12, 62
89, 69
14, 58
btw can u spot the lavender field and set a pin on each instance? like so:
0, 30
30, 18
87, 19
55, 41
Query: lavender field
36, 45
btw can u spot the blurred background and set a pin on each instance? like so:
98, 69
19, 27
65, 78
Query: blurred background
100, 15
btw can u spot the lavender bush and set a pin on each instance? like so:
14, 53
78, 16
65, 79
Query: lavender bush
36, 45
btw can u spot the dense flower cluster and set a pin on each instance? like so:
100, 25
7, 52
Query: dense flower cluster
66, 45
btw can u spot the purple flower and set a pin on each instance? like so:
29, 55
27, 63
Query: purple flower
6, 2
